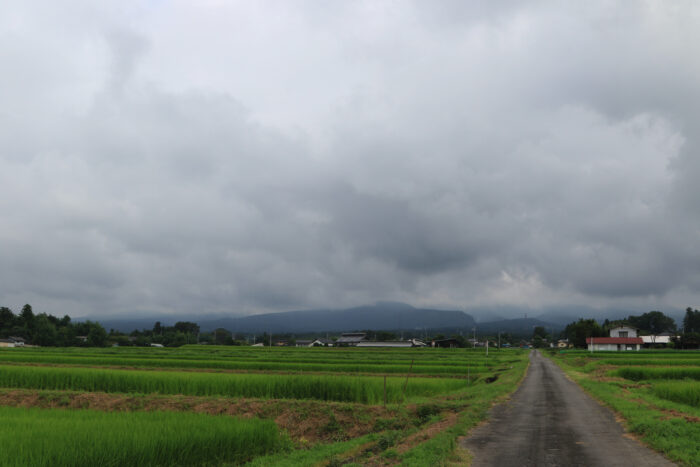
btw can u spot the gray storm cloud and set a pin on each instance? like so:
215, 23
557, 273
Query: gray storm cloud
239, 157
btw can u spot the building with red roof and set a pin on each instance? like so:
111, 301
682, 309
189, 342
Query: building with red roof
614, 343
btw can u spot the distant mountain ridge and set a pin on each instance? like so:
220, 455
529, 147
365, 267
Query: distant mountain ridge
385, 316
380, 316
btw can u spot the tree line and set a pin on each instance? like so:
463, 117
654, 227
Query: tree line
50, 331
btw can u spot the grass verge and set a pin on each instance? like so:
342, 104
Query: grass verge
667, 427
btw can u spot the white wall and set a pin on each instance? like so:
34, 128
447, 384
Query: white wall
631, 332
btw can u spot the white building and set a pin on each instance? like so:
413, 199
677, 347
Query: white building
623, 331
614, 343
621, 338
652, 340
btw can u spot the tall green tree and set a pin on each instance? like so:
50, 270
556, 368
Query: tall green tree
97, 336
653, 322
7, 319
691, 321
44, 333
27, 316
578, 331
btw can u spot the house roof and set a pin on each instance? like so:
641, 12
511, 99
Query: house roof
615, 340
350, 337
385, 344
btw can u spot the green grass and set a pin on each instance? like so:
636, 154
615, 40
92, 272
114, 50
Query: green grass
55, 437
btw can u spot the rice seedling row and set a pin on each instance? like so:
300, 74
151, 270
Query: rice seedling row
33, 373
325, 387
41, 437
457, 369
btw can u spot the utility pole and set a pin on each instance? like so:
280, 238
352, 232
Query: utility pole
499, 340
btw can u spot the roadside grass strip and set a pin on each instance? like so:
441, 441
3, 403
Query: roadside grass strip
57, 438
659, 404
365, 389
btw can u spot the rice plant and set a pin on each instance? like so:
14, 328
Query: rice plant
56, 438
644, 373
321, 387
683, 392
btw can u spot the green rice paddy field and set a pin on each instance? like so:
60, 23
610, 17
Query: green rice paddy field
656, 392
209, 405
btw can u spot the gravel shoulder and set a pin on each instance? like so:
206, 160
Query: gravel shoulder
550, 421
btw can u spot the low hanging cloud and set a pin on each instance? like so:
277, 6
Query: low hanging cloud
195, 157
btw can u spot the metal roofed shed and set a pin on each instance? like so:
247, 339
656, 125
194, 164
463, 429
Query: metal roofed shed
351, 338
404, 344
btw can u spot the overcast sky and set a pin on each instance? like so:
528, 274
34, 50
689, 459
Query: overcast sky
248, 156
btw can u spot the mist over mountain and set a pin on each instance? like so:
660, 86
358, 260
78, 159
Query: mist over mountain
380, 316
519, 327
393, 316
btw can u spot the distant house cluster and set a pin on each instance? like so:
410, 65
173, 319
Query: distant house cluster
12, 342
314, 343
357, 339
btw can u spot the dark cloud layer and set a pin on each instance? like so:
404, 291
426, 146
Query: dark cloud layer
209, 157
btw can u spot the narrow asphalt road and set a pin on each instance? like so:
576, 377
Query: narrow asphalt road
550, 421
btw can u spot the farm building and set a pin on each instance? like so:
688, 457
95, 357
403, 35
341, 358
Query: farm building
651, 341
12, 342
19, 341
448, 343
314, 343
408, 343
614, 343
621, 338
350, 339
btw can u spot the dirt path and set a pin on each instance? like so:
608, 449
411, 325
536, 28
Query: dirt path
550, 421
